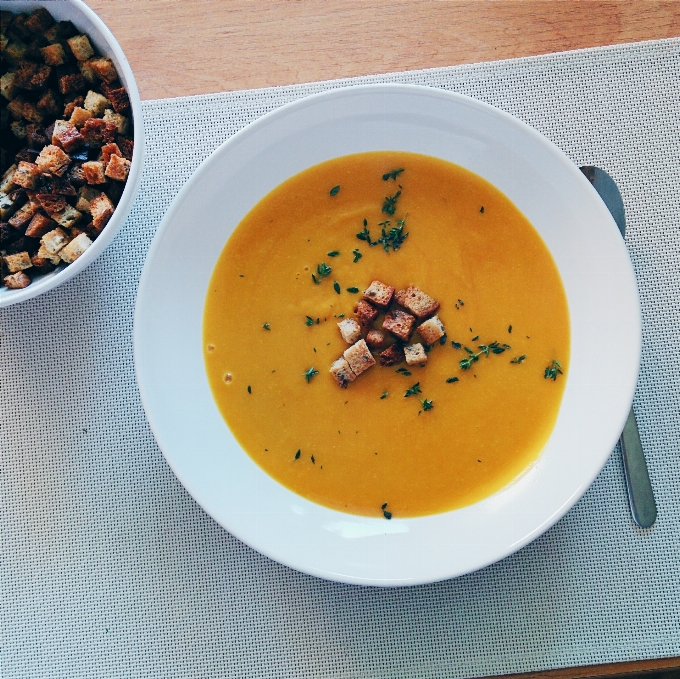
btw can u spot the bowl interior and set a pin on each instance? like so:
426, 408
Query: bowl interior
545, 186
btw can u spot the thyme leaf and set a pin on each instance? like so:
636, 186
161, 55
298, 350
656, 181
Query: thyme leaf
518, 359
334, 190
415, 389
357, 255
310, 373
552, 371
390, 205
392, 174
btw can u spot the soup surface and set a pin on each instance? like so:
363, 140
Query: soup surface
271, 335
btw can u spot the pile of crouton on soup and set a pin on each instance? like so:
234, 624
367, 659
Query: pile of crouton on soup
406, 311
66, 144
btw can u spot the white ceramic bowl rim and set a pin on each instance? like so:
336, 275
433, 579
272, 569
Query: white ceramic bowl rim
102, 38
552, 193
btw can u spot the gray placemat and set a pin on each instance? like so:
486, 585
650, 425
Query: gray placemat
109, 569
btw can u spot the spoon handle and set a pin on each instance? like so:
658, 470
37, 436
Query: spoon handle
640, 494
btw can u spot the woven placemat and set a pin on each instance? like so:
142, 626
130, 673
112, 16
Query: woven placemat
109, 569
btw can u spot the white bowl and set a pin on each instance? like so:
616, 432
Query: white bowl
544, 184
102, 39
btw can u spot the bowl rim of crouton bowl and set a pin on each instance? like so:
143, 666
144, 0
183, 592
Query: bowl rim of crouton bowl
550, 191
105, 46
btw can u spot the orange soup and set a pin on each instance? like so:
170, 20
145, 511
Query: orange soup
400, 440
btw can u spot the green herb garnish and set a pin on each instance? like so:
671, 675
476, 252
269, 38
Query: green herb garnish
509, 328
334, 190
427, 405
394, 238
309, 321
384, 394
336, 287
486, 349
297, 455
386, 514
310, 373
333, 253
518, 359
456, 345
353, 290
552, 371
365, 234
323, 270
415, 389
250, 391
266, 326
392, 174
452, 379
357, 255
390, 205
403, 371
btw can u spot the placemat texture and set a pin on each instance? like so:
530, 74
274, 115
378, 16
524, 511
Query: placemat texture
109, 568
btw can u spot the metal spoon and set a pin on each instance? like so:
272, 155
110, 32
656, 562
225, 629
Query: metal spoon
640, 494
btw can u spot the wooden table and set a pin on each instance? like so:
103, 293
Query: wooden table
187, 47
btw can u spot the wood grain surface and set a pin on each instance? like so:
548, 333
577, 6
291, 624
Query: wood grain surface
185, 47
188, 47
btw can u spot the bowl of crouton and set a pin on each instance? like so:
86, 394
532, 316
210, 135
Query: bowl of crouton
72, 143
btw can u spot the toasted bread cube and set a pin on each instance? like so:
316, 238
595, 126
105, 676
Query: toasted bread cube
39, 21
350, 330
431, 330
399, 323
126, 147
415, 354
8, 85
71, 107
8, 204
119, 99
379, 294
417, 302
94, 172
58, 125
42, 264
51, 257
68, 137
392, 355
81, 48
359, 357
109, 150
101, 209
98, 131
376, 340
104, 68
87, 72
48, 103
51, 202
39, 225
120, 121
26, 175
342, 373
79, 116
67, 217
85, 195
366, 313
16, 107
75, 248
24, 214
53, 159
118, 168
6, 183
32, 114
96, 103
53, 241
54, 55
74, 82
18, 262
17, 281
18, 129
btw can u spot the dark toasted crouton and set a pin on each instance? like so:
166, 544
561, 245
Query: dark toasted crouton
16, 107
415, 354
379, 294
67, 217
26, 175
109, 150
118, 168
416, 301
399, 323
68, 137
104, 68
54, 54
32, 114
17, 281
350, 330
342, 373
94, 172
80, 46
431, 330
359, 357
24, 214
376, 340
126, 147
38, 21
119, 99
101, 209
48, 103
39, 225
41, 264
18, 262
71, 107
8, 85
74, 82
53, 159
18, 129
35, 136
121, 122
51, 202
392, 355
366, 313
98, 131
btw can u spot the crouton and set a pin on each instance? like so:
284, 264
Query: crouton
376, 340
75, 248
8, 204
431, 330
18, 262
6, 183
51, 202
16, 107
34, 78
350, 330
39, 225
96, 103
39, 21
53, 159
379, 294
119, 99
71, 107
79, 116
101, 209
416, 301
8, 85
68, 137
104, 68
415, 354
94, 172
51, 257
24, 214
74, 82
342, 373
366, 313
35, 136
53, 241
32, 114
126, 147
359, 357
121, 122
17, 281
87, 72
18, 129
392, 355
109, 150
118, 168
26, 175
98, 131
54, 55
47, 103
81, 47
399, 323
85, 195
42, 264
67, 217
